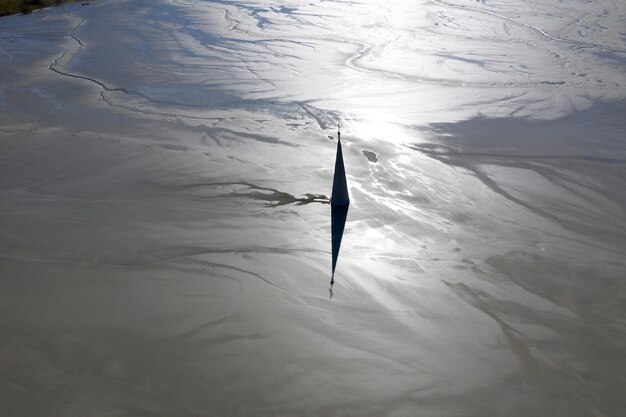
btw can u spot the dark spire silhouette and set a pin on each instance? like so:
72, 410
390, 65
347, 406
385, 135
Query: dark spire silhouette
339, 203
340, 186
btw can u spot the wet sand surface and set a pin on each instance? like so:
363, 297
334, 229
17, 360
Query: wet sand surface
165, 168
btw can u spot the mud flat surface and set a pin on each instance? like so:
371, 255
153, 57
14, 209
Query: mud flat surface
165, 168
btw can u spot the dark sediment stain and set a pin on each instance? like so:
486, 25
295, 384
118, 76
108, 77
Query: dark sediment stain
472, 162
272, 196
371, 156
443, 152
277, 198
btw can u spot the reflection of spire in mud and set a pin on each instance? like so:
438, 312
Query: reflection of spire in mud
339, 203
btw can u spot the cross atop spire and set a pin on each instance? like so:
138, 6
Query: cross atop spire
338, 132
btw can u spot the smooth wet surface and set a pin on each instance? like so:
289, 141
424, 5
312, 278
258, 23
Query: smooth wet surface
165, 168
